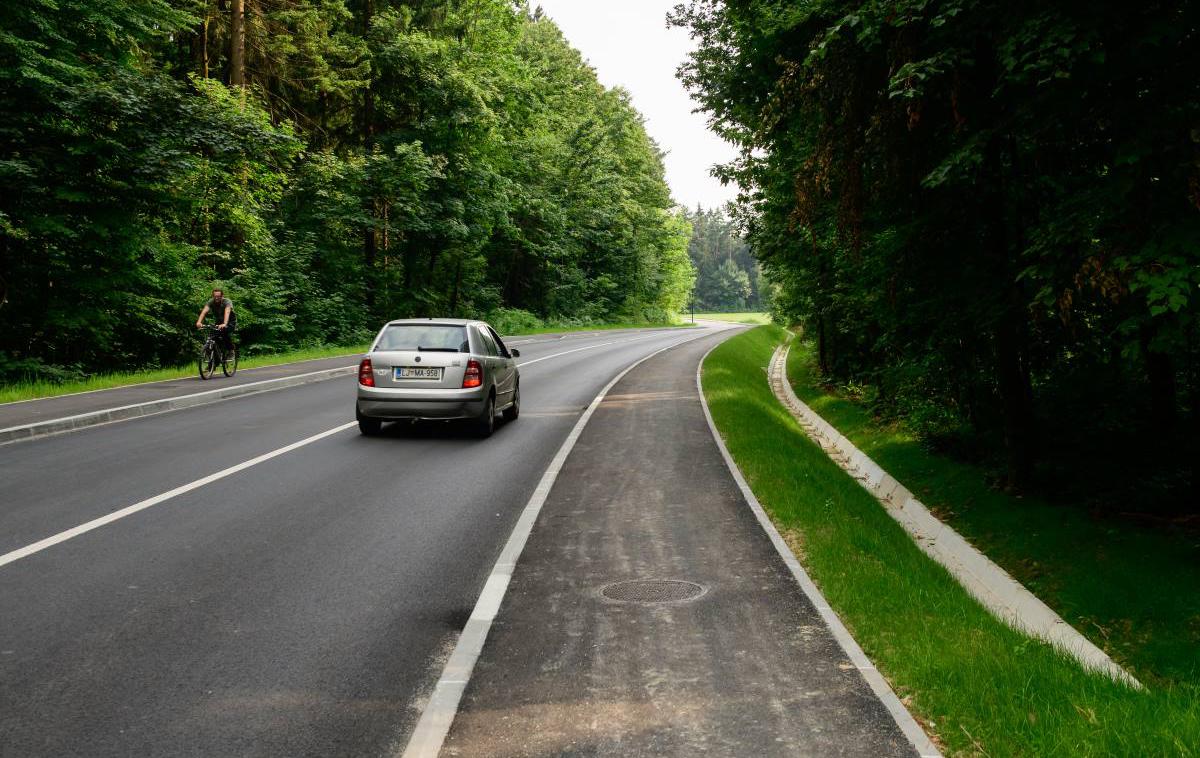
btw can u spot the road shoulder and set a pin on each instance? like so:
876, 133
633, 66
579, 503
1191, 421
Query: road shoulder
748, 667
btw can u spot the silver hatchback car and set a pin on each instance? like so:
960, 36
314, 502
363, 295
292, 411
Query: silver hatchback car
438, 369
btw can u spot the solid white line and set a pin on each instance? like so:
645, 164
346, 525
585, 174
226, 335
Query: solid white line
37, 547
174, 379
242, 390
41, 545
908, 725
431, 730
178, 398
579, 349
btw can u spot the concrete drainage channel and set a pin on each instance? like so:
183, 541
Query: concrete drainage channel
991, 585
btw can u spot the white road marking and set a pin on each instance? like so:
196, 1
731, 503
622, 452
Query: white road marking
173, 379
61, 537
243, 390
578, 349
41, 545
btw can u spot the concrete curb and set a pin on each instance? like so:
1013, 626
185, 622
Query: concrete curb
991, 585
137, 410
908, 725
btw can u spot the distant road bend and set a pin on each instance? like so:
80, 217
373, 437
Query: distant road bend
253, 576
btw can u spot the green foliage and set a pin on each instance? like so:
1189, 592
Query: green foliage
728, 278
988, 212
384, 159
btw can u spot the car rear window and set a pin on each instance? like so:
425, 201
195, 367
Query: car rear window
423, 336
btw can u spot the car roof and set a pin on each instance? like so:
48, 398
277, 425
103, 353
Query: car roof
439, 321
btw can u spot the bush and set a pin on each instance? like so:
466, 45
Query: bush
29, 370
514, 321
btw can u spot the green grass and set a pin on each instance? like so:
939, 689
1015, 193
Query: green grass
553, 328
746, 317
978, 686
31, 390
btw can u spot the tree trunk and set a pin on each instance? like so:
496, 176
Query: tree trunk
1012, 365
1191, 439
457, 284
1016, 395
1193, 444
237, 43
200, 46
1160, 374
370, 244
822, 358
370, 251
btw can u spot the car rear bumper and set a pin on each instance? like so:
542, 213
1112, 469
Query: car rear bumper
404, 404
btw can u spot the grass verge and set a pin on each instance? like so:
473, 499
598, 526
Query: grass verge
1134, 591
553, 328
32, 390
745, 317
979, 687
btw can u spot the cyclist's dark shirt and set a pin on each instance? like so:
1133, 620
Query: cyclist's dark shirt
216, 309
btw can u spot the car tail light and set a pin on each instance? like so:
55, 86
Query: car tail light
473, 376
365, 376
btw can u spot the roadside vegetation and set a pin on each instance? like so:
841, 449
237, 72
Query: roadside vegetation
986, 215
513, 323
746, 317
978, 686
33, 389
728, 277
1129, 587
330, 163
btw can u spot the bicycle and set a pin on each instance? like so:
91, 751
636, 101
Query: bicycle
212, 354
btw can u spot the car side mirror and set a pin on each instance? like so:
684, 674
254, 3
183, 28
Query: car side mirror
516, 353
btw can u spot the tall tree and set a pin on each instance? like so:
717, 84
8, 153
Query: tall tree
237, 43
987, 210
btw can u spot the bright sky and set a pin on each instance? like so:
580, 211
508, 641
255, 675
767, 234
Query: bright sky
630, 46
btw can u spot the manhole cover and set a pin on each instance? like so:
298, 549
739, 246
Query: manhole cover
652, 591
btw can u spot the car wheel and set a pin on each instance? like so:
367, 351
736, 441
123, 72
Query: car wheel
485, 423
514, 410
368, 426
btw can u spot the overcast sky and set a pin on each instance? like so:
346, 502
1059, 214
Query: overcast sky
629, 45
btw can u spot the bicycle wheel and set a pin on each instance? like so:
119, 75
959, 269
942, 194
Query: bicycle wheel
229, 362
208, 360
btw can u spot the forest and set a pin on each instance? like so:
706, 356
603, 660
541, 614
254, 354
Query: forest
728, 278
329, 163
987, 217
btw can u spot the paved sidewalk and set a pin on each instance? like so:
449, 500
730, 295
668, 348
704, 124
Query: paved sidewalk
748, 668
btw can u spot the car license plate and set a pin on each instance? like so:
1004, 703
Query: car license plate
412, 372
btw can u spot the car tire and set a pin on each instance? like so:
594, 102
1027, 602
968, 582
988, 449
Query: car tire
368, 426
513, 411
485, 423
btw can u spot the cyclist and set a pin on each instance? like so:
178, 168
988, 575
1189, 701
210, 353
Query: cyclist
221, 308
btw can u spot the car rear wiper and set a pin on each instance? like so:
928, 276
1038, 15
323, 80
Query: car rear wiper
437, 349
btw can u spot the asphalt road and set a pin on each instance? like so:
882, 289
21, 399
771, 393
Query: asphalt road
301, 606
